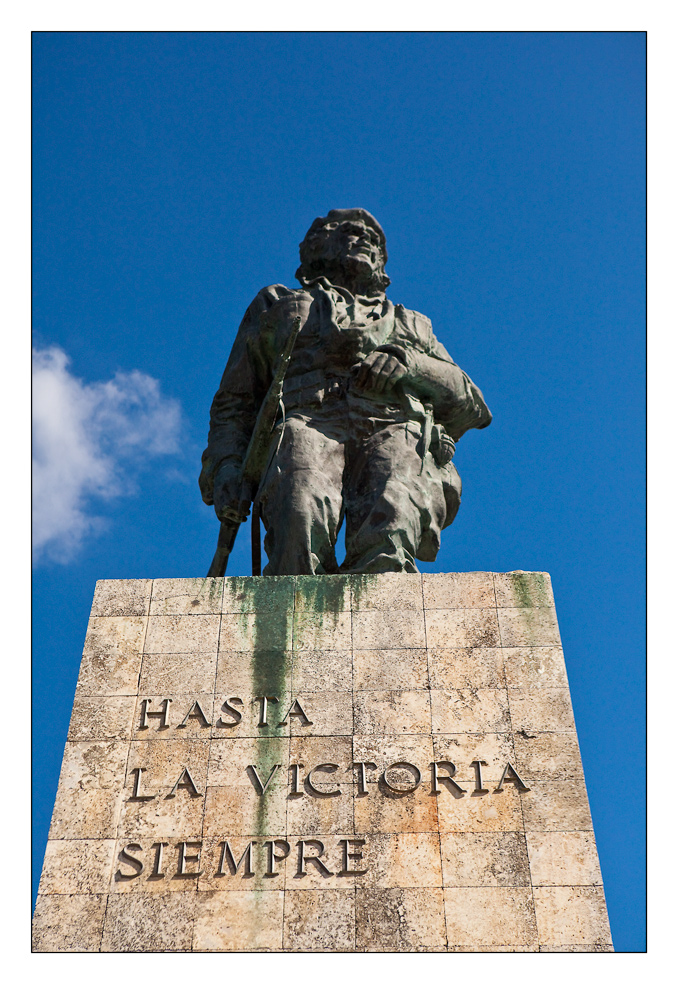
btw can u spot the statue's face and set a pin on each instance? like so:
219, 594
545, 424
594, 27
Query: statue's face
353, 247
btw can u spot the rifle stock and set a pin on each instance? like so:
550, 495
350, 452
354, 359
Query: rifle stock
227, 534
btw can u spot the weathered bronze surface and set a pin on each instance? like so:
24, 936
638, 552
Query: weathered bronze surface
372, 407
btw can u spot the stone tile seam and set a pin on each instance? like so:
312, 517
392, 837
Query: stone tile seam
128, 739
354, 648
353, 717
534, 691
342, 690
430, 707
522, 811
494, 589
493, 574
358, 611
103, 921
194, 915
374, 833
209, 754
595, 886
289, 757
196, 736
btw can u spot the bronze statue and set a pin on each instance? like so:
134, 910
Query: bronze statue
372, 406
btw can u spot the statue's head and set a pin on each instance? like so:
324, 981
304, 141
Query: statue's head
348, 247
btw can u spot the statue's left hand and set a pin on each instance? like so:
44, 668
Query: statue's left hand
382, 369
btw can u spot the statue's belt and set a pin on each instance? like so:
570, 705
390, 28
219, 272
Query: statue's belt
318, 385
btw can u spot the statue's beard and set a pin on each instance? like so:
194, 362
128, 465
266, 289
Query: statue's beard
355, 273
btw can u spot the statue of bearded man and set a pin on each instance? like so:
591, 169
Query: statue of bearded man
373, 407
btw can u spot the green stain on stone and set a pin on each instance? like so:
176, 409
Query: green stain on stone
522, 589
531, 590
318, 601
270, 605
325, 594
360, 583
531, 596
210, 587
215, 588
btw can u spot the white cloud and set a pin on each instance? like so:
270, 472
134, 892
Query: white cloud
89, 439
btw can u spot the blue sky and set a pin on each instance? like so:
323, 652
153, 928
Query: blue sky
174, 175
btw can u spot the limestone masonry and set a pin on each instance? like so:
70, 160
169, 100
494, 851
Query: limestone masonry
336, 763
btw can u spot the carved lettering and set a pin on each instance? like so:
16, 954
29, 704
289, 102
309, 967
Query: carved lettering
351, 856
133, 862
184, 782
228, 709
258, 784
295, 791
437, 779
136, 791
476, 764
227, 856
185, 858
316, 785
272, 857
263, 723
195, 711
163, 714
296, 710
305, 859
402, 765
325, 767
344, 857
510, 775
362, 779
157, 864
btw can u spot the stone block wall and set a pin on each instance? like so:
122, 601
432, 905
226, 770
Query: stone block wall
330, 763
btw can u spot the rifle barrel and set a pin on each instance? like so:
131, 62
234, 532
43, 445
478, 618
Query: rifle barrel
256, 454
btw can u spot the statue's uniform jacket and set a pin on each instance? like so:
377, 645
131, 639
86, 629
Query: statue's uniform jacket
342, 452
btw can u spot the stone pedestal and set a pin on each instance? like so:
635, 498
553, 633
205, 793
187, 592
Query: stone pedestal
336, 763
